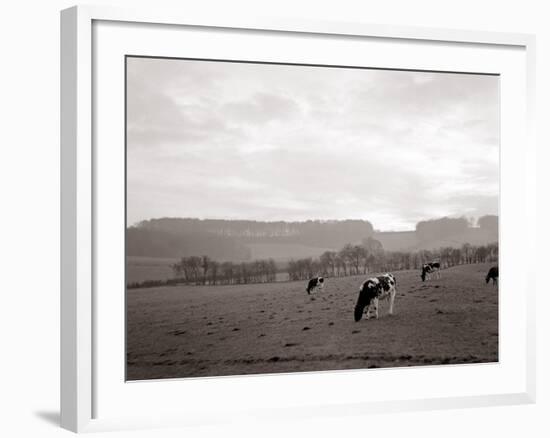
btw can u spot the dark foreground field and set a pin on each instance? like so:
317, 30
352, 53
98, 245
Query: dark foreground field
191, 331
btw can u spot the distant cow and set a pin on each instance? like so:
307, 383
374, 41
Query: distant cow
314, 284
429, 269
373, 290
492, 274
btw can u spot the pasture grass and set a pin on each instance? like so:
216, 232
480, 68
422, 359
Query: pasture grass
193, 331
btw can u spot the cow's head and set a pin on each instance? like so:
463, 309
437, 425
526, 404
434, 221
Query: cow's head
367, 292
424, 272
358, 312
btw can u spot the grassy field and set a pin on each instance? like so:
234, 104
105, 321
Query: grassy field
190, 331
140, 269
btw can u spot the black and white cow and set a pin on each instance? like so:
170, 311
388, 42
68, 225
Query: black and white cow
492, 274
429, 269
314, 284
373, 290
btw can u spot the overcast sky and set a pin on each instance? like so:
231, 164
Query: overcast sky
275, 142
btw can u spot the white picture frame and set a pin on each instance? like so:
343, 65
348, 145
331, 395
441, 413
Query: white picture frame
81, 366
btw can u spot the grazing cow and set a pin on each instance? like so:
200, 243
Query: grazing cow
429, 269
314, 284
373, 290
492, 274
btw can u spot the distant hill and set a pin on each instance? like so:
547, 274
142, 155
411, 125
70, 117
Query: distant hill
397, 240
409, 241
238, 240
242, 240
311, 232
284, 251
443, 232
473, 236
156, 242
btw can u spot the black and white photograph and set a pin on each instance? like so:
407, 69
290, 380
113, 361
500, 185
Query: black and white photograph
285, 218
275, 219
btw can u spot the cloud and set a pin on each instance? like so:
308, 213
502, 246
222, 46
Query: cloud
272, 142
261, 108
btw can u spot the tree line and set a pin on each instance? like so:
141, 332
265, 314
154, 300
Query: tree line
204, 270
322, 233
361, 259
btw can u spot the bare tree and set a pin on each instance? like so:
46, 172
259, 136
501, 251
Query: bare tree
204, 264
345, 255
328, 263
228, 271
340, 264
214, 267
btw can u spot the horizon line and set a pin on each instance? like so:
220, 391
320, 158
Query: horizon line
310, 220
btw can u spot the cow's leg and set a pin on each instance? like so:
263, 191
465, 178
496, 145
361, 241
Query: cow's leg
375, 304
392, 299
